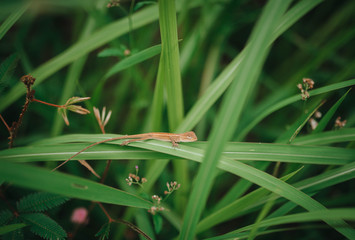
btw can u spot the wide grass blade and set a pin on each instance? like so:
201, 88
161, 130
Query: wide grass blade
82, 47
221, 83
66, 185
331, 214
325, 138
62, 148
229, 114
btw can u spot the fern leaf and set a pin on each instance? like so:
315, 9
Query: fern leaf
104, 231
38, 202
7, 67
44, 226
5, 217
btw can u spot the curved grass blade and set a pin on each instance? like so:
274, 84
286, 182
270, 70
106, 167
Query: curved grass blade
258, 116
133, 60
12, 19
331, 214
224, 79
229, 114
66, 185
329, 137
11, 227
61, 148
325, 120
81, 48
310, 185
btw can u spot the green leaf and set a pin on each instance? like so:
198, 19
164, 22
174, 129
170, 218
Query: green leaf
61, 148
44, 226
80, 48
169, 71
111, 52
12, 227
7, 67
12, 19
230, 112
5, 216
347, 214
324, 138
133, 60
257, 116
158, 223
67, 185
104, 231
325, 120
293, 131
224, 79
232, 209
39, 202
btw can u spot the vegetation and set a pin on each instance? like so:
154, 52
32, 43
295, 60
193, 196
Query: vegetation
265, 85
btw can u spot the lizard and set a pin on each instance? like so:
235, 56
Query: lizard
174, 138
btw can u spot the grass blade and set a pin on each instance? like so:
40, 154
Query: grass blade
325, 120
229, 114
66, 185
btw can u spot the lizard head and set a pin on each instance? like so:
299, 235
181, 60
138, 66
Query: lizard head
190, 137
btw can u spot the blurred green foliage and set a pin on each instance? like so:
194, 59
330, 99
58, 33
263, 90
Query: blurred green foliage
85, 49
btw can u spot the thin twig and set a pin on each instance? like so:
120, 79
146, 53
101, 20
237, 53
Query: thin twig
130, 225
7, 126
50, 104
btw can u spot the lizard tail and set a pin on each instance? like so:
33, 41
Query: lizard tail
82, 150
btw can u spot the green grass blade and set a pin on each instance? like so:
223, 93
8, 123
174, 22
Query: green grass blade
329, 137
133, 60
12, 227
82, 47
255, 118
170, 62
12, 19
221, 83
292, 132
229, 114
325, 120
331, 214
234, 167
66, 185
232, 209
61, 148
7, 68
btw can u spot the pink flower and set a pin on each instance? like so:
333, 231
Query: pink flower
80, 216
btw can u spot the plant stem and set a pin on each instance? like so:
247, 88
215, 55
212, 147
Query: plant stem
7, 126
50, 104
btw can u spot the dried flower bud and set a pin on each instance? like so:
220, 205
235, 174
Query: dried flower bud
313, 123
318, 114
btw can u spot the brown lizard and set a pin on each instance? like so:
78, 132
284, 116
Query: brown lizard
174, 138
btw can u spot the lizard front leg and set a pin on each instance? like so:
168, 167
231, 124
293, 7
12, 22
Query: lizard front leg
174, 140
